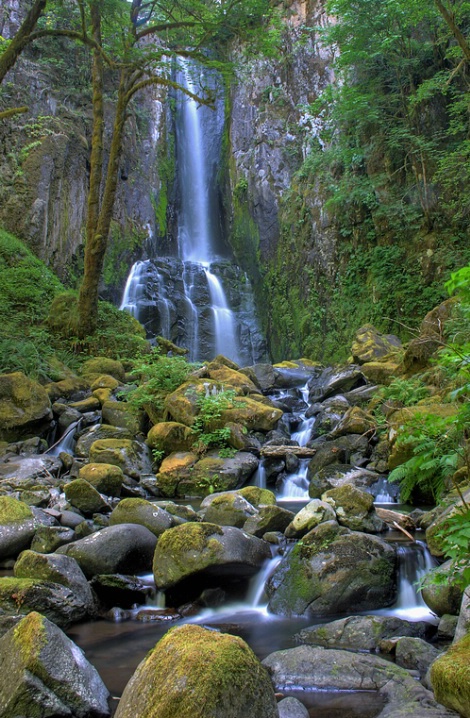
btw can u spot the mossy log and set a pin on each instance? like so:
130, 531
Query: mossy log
302, 451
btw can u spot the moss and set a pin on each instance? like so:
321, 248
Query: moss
185, 549
12, 510
103, 365
30, 637
450, 677
256, 496
188, 537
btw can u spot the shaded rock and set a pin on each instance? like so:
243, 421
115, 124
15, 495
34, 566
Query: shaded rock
178, 511
447, 627
355, 509
307, 518
42, 672
132, 457
96, 433
95, 367
118, 590
444, 597
48, 538
331, 477
268, 519
363, 633
421, 349
126, 548
415, 654
170, 436
257, 496
192, 548
450, 677
144, 513
334, 381
25, 407
105, 478
370, 344
292, 708
119, 413
381, 372
181, 475
17, 527
226, 509
463, 625
332, 569
265, 375
84, 497
35, 469
55, 601
196, 672
355, 421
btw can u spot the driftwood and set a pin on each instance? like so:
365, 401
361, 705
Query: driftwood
300, 451
396, 519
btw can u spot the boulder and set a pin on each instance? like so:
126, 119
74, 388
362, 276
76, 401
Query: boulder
268, 519
25, 407
355, 421
381, 372
331, 477
443, 597
33, 470
183, 403
255, 412
84, 497
202, 548
232, 378
307, 518
126, 548
447, 627
144, 513
363, 633
450, 677
265, 375
132, 457
257, 496
335, 381
355, 509
170, 436
436, 529
421, 349
95, 367
226, 509
48, 538
183, 475
318, 668
292, 708
370, 344
17, 527
415, 654
43, 673
332, 569
463, 625
105, 478
96, 433
194, 672
57, 602
120, 413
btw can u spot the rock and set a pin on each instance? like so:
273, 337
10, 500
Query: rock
120, 413
415, 654
194, 672
331, 477
84, 497
170, 436
436, 529
17, 527
182, 475
57, 569
319, 668
105, 478
94, 368
355, 421
43, 673
36, 469
363, 633
183, 403
355, 509
25, 407
450, 677
256, 413
292, 708
84, 406
48, 538
202, 548
307, 518
447, 627
118, 590
55, 601
73, 387
139, 511
370, 344
226, 509
334, 381
132, 457
257, 496
96, 433
330, 570
268, 519
105, 381
443, 597
232, 378
126, 548
265, 375
381, 372
178, 511
421, 349
463, 625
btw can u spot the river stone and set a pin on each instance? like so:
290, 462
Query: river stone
447, 627
17, 527
370, 344
25, 407
106, 478
292, 708
43, 673
58, 569
84, 497
170, 436
57, 602
336, 475
140, 511
332, 569
307, 518
132, 457
183, 403
265, 375
355, 509
48, 538
257, 496
195, 548
355, 421
194, 672
233, 378
120, 413
450, 677
226, 509
334, 381
96, 433
268, 519
362, 633
126, 548
444, 597
463, 624
415, 654
35, 469
317, 668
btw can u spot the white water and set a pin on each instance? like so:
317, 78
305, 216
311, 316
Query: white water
134, 289
224, 321
383, 496
295, 486
66, 442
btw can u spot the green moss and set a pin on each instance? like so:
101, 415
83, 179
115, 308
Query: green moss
188, 537
30, 637
256, 496
450, 677
12, 510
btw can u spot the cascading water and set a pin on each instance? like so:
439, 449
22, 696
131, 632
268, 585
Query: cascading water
185, 299
296, 485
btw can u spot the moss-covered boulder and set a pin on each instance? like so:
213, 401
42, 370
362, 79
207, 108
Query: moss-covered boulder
203, 548
232, 378
173, 470
25, 407
355, 421
355, 509
369, 344
126, 548
43, 673
106, 478
196, 673
402, 451
226, 509
332, 569
17, 527
69, 388
132, 457
90, 403
420, 350
381, 372
93, 368
98, 432
120, 413
257, 496
308, 517
436, 530
57, 602
139, 511
444, 597
183, 404
255, 413
268, 519
170, 436
48, 538
450, 677
84, 497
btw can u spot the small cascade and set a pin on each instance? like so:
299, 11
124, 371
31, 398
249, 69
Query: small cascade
382, 494
414, 562
256, 596
134, 289
66, 442
224, 321
259, 478
295, 486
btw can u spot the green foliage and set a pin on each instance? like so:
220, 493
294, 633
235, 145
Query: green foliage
455, 543
159, 375
210, 411
119, 252
405, 391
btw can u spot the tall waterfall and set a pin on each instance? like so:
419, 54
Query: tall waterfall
200, 300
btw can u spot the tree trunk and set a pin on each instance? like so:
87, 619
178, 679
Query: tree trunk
454, 28
21, 39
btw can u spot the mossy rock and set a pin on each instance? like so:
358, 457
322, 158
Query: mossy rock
314, 513
400, 453
103, 395
119, 413
253, 414
12, 510
370, 344
355, 421
142, 512
194, 672
131, 456
91, 403
106, 478
93, 368
173, 470
442, 598
170, 436
67, 389
355, 508
182, 404
25, 407
55, 601
232, 378
381, 372
85, 497
95, 433
268, 519
228, 508
105, 381
435, 531
450, 677
257, 496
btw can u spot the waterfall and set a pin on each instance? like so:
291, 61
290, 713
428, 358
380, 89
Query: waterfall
295, 486
185, 299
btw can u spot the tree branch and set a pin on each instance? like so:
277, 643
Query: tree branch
5, 114
454, 28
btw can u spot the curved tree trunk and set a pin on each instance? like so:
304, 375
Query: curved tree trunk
21, 39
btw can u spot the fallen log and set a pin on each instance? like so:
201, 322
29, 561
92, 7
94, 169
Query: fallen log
283, 450
396, 519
